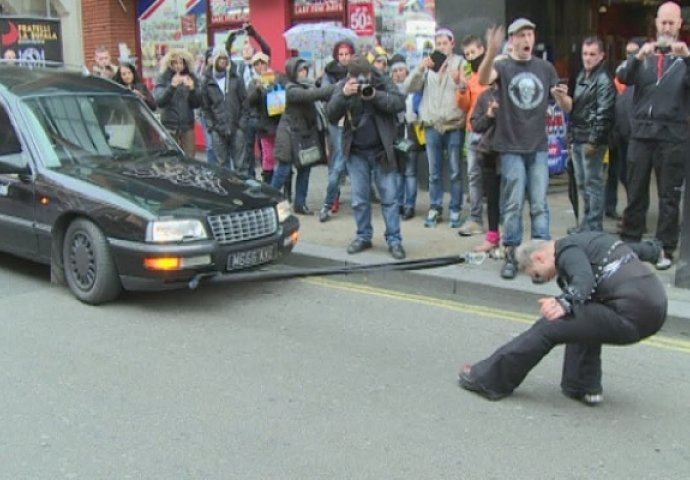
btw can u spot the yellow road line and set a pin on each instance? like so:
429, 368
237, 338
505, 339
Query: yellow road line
657, 341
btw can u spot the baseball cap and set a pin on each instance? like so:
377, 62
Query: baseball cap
519, 24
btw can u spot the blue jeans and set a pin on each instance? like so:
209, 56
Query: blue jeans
336, 167
523, 173
362, 167
436, 143
589, 176
282, 173
407, 188
474, 179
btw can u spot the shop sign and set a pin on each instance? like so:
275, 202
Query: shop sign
34, 40
229, 11
307, 8
362, 18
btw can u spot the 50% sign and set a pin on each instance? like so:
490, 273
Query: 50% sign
362, 18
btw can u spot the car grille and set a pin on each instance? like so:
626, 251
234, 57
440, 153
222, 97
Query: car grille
243, 226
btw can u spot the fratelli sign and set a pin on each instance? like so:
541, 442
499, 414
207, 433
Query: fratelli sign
33, 40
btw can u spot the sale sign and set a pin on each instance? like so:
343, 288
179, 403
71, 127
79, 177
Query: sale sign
362, 18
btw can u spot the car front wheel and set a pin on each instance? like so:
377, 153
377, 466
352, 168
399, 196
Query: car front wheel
90, 271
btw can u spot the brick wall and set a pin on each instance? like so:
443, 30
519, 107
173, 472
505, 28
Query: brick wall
106, 23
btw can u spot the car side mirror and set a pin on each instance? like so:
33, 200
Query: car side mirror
9, 168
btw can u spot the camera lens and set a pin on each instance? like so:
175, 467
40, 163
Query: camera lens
367, 91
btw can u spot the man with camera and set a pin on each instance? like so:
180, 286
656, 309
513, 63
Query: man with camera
660, 74
369, 103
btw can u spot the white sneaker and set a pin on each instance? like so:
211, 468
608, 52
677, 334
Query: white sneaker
664, 263
470, 228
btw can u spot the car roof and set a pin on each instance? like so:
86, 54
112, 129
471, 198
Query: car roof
23, 82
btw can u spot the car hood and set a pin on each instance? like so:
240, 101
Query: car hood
171, 186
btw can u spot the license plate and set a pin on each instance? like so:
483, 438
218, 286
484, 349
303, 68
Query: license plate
250, 258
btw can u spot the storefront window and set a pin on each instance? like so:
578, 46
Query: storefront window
229, 11
169, 24
31, 8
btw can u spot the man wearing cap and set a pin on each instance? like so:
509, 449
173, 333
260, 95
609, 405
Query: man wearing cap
444, 123
525, 82
660, 73
223, 98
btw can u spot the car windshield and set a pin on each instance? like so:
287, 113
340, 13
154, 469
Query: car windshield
98, 127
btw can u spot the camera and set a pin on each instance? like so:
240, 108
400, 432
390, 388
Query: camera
364, 88
663, 48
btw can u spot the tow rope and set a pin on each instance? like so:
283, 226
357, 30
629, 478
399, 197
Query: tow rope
469, 258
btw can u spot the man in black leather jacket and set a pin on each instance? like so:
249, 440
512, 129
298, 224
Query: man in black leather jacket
608, 296
660, 73
591, 120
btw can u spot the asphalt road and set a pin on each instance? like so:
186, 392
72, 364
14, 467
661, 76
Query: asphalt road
311, 379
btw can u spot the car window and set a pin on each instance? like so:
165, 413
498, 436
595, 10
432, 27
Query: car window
98, 127
10, 146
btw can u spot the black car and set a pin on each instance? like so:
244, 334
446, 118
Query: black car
92, 184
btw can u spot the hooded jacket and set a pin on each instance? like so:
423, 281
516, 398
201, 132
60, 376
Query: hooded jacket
300, 112
594, 100
225, 110
439, 107
388, 101
660, 105
177, 104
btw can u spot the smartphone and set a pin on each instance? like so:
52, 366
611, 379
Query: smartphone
562, 81
438, 59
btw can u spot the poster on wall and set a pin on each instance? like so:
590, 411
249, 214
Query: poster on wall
361, 17
308, 8
168, 24
229, 11
406, 27
32, 40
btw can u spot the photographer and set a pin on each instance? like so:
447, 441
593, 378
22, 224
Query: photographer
370, 102
660, 74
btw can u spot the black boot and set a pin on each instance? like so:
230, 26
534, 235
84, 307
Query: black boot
510, 267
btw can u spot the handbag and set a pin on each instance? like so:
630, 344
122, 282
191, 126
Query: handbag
275, 101
306, 148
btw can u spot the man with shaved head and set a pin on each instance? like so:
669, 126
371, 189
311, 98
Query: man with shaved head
660, 73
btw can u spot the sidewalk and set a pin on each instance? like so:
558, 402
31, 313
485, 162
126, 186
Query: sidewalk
330, 239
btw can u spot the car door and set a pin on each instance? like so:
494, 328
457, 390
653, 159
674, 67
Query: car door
17, 204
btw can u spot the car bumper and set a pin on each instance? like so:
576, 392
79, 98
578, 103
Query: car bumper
209, 259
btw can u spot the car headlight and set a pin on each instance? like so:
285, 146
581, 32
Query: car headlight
284, 211
162, 231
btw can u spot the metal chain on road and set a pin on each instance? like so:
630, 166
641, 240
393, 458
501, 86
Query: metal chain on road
470, 258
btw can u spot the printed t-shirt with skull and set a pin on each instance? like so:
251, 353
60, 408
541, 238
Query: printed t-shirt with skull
524, 88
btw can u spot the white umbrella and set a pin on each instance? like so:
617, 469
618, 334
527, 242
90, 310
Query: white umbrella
319, 37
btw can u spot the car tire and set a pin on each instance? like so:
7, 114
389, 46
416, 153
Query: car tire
90, 271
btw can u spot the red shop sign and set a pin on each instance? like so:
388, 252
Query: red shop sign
303, 8
361, 17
